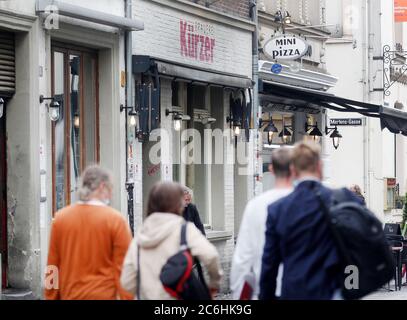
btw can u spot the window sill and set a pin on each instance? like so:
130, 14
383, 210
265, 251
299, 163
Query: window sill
214, 236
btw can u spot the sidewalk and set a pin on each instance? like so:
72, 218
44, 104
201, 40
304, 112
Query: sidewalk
384, 294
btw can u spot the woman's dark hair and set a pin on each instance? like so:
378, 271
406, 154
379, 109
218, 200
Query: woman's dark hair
166, 197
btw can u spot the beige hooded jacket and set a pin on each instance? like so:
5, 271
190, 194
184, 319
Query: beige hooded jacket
159, 239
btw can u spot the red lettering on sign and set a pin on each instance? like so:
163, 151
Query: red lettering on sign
207, 49
212, 47
196, 41
183, 40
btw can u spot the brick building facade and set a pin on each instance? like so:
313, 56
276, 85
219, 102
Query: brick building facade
230, 7
203, 56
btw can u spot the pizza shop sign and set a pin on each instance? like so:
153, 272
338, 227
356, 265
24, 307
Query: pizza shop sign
285, 48
197, 40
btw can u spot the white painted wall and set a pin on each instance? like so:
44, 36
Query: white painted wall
161, 39
366, 156
115, 7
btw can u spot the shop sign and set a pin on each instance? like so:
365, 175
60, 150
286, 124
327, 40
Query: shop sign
391, 182
400, 10
276, 68
346, 122
197, 41
285, 48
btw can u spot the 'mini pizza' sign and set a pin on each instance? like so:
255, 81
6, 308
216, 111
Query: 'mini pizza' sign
285, 48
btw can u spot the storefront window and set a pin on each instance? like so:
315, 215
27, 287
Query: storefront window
75, 134
390, 198
75, 115
198, 174
59, 131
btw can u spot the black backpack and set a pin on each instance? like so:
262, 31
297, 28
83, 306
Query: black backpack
361, 243
177, 275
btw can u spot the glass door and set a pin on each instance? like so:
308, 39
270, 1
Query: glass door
75, 140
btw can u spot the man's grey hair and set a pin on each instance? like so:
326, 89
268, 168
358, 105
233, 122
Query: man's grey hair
91, 179
188, 190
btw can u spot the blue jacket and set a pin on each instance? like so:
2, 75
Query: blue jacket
298, 236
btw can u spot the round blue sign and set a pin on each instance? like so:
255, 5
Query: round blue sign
276, 68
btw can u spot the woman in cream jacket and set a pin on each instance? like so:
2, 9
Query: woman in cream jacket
159, 239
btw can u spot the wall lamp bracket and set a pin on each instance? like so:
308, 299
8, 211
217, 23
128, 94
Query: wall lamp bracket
54, 111
122, 108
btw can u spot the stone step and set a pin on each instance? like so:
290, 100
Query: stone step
17, 294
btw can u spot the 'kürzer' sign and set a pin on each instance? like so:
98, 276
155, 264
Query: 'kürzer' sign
285, 48
346, 122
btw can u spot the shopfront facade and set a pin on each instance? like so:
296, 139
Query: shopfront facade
289, 122
63, 114
197, 64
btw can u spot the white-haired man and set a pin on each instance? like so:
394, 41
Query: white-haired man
89, 241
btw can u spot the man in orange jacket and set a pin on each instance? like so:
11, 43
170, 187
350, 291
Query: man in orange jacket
89, 241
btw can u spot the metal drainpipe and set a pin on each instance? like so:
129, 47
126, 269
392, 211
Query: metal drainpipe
365, 54
255, 67
128, 55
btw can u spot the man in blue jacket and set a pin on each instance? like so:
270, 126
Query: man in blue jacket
298, 236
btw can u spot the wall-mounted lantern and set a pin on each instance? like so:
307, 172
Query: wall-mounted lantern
235, 125
132, 114
313, 131
282, 18
178, 117
335, 136
54, 111
287, 133
270, 129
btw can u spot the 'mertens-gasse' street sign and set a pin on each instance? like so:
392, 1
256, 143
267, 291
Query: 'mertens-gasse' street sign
346, 122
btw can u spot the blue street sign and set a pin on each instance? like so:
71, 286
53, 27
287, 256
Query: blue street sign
276, 68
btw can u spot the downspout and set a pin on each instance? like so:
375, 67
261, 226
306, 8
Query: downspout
129, 82
255, 76
366, 128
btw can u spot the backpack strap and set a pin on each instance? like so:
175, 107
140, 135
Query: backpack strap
184, 244
339, 196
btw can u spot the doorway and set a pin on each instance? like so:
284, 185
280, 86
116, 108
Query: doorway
3, 201
75, 135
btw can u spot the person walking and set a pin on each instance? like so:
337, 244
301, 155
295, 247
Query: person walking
191, 212
88, 243
298, 235
358, 191
250, 242
158, 239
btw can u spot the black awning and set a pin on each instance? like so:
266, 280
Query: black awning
142, 64
392, 119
